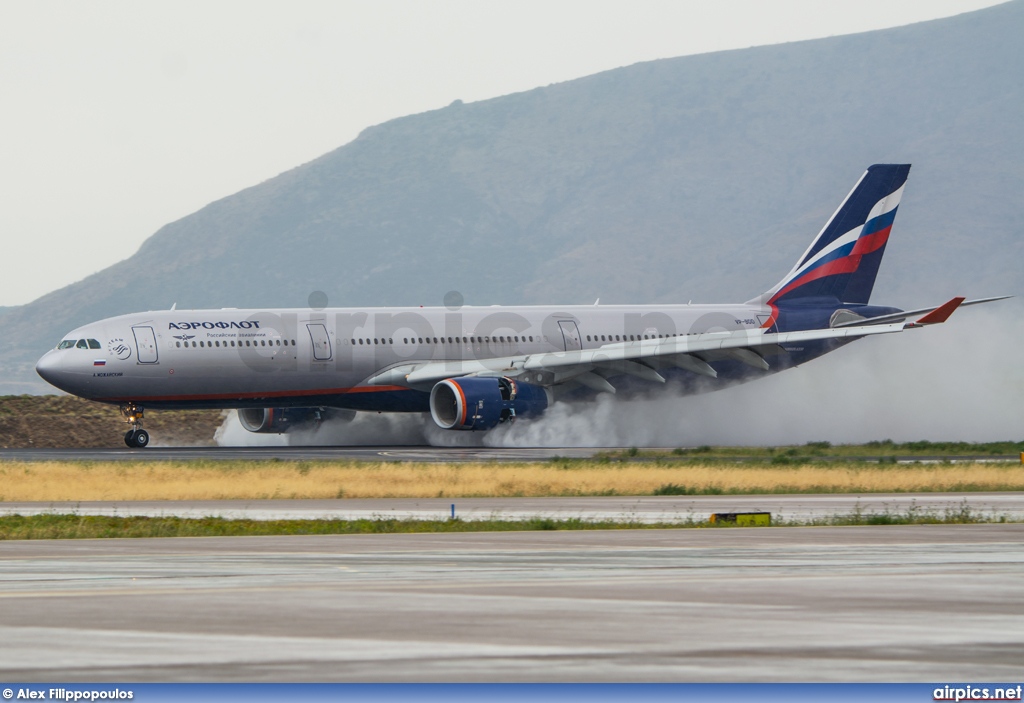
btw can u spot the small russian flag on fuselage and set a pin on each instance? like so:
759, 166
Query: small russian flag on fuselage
99, 362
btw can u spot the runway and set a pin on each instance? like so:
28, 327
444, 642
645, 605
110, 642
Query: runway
391, 453
375, 453
921, 603
646, 509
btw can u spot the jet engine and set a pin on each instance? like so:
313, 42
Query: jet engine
480, 403
280, 420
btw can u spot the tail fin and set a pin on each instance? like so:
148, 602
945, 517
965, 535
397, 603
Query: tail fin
843, 260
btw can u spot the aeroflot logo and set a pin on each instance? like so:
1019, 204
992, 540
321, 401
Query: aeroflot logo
243, 325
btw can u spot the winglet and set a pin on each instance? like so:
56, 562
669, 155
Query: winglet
939, 314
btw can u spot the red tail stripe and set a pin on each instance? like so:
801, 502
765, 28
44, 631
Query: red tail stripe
847, 264
871, 242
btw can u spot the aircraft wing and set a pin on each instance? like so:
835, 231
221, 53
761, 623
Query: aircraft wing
643, 358
621, 356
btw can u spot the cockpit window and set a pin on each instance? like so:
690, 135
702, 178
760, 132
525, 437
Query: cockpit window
82, 344
94, 344
67, 344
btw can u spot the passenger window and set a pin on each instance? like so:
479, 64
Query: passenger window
177, 344
82, 344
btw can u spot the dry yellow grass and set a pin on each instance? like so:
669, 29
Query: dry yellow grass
57, 481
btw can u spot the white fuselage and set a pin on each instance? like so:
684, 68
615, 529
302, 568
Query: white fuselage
290, 357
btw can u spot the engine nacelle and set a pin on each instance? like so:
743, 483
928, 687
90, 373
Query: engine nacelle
480, 403
279, 420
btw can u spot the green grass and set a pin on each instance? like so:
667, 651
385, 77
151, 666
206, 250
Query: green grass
71, 526
884, 450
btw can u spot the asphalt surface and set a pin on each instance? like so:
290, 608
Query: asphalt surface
391, 453
919, 603
380, 453
647, 509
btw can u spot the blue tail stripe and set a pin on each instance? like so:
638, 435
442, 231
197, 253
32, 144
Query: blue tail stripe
879, 181
839, 253
875, 224
879, 223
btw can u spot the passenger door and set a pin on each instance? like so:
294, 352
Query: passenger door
570, 335
321, 341
145, 344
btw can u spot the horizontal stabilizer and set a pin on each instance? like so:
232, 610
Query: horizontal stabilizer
897, 316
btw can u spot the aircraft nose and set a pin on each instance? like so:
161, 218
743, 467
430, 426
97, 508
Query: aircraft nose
50, 367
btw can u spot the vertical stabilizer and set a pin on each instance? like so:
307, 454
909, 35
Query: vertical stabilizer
843, 260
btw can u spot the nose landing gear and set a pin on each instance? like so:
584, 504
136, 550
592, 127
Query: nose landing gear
136, 437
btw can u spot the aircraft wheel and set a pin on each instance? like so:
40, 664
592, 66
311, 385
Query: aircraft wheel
136, 439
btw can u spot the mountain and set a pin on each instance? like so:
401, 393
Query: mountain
697, 178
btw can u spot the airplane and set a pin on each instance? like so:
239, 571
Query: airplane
474, 368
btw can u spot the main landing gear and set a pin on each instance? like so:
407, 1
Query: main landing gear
136, 437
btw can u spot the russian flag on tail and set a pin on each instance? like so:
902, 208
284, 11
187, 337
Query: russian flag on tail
843, 260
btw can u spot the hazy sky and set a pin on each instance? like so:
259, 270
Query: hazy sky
119, 117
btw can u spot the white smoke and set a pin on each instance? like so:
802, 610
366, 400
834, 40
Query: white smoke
960, 381
363, 429
232, 434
